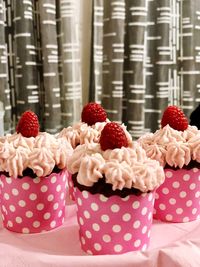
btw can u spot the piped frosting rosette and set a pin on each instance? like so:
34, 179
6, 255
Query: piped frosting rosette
127, 167
40, 154
33, 178
172, 147
178, 151
114, 192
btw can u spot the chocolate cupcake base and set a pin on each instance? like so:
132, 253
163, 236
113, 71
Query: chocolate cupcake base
101, 187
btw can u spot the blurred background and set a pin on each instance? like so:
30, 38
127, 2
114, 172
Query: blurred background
135, 57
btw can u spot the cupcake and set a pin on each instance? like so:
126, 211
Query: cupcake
114, 191
176, 145
88, 130
33, 177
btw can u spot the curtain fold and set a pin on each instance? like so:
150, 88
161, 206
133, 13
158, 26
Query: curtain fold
6, 62
71, 93
145, 57
26, 66
40, 70
50, 88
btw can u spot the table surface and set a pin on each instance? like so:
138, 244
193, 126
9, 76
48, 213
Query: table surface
172, 245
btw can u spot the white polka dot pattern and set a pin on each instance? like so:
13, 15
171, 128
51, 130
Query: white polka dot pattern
114, 225
178, 198
33, 205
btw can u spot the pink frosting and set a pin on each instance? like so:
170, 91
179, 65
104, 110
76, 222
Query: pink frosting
190, 132
194, 144
71, 135
62, 151
41, 161
74, 162
19, 140
156, 152
6, 150
167, 135
178, 154
169, 146
17, 161
119, 174
89, 135
148, 175
90, 170
41, 154
127, 154
81, 133
128, 136
44, 140
121, 167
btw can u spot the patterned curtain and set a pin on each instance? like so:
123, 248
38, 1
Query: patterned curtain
145, 56
40, 61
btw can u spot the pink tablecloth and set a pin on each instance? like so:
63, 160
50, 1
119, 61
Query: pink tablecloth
172, 244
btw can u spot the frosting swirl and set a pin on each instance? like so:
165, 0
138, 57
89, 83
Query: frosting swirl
194, 144
41, 154
148, 175
156, 152
19, 140
6, 150
74, 161
17, 162
71, 135
41, 161
89, 135
126, 154
166, 135
44, 140
172, 147
90, 169
61, 151
123, 168
178, 154
82, 133
120, 175
190, 132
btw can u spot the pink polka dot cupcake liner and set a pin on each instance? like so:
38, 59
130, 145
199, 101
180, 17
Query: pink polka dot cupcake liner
33, 205
114, 225
178, 198
71, 187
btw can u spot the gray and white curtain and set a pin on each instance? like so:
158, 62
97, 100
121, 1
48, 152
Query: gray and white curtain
145, 56
40, 61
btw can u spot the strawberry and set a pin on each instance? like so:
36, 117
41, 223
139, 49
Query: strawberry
28, 124
92, 113
175, 117
112, 136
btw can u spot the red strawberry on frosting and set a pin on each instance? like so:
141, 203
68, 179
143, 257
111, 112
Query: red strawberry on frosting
113, 136
92, 113
28, 124
175, 117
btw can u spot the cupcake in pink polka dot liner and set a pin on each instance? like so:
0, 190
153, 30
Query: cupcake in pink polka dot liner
88, 130
176, 145
114, 191
33, 178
